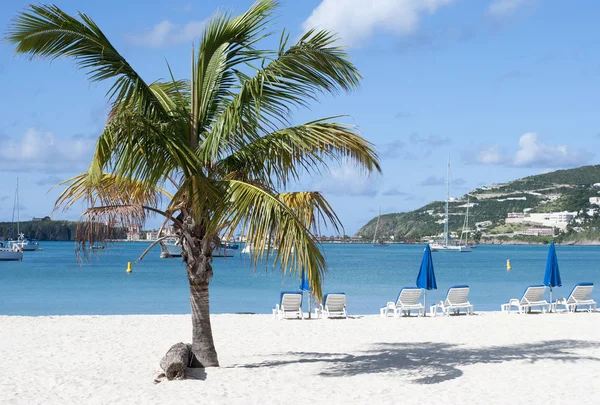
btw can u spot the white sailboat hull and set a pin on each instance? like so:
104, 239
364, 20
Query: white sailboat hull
26, 245
7, 254
442, 248
173, 250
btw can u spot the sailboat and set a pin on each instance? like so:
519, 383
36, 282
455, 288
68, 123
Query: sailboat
445, 245
465, 230
376, 241
10, 253
22, 243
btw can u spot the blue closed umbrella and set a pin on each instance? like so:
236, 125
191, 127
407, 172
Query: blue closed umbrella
305, 287
552, 274
426, 277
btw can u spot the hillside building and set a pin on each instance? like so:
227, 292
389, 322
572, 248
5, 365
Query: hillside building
550, 219
595, 200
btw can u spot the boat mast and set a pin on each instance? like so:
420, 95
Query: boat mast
18, 217
467, 222
447, 198
377, 226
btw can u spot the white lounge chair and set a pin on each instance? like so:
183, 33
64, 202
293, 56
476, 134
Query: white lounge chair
290, 305
334, 305
532, 297
456, 299
579, 297
408, 300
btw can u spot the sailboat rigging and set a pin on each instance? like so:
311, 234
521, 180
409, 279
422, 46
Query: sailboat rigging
376, 241
21, 243
445, 245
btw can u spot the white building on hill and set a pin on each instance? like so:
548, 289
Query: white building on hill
550, 219
595, 200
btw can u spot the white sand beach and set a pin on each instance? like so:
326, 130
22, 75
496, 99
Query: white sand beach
490, 358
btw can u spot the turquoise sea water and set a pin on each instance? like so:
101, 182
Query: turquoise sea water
51, 282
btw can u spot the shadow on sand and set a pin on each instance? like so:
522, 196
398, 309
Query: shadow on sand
431, 363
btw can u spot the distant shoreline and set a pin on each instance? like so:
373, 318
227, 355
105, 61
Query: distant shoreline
489, 243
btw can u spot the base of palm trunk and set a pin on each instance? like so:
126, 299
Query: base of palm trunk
176, 361
181, 356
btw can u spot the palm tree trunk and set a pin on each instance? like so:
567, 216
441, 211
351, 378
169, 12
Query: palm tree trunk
203, 347
197, 254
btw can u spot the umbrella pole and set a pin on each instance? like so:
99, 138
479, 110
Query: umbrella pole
309, 303
550, 299
425, 302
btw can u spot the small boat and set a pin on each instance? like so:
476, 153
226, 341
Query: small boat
97, 247
10, 253
171, 248
26, 245
223, 251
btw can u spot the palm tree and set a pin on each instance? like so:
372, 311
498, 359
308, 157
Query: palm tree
223, 141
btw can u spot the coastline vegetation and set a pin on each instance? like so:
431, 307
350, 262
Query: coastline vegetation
47, 230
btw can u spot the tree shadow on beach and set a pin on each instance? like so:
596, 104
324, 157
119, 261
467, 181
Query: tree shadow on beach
429, 362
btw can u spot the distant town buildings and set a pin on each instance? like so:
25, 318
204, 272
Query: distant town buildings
537, 232
483, 224
133, 233
558, 220
595, 200
151, 235
512, 199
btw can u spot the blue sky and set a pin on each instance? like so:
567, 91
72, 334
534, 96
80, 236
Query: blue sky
508, 88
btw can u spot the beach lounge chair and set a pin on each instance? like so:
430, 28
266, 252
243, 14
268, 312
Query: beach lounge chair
408, 300
290, 305
456, 299
579, 297
532, 297
334, 305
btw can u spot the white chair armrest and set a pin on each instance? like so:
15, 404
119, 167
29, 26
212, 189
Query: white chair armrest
561, 301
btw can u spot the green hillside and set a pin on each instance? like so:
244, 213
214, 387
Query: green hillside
44, 230
562, 190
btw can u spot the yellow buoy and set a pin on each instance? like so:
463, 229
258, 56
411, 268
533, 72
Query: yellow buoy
508, 266
128, 267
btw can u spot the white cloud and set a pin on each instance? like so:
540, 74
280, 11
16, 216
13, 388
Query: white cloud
43, 152
492, 155
347, 180
356, 20
533, 153
501, 8
166, 33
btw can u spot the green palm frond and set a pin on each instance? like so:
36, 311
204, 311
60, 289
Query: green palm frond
46, 31
226, 43
266, 219
174, 96
265, 101
196, 196
135, 146
312, 209
282, 155
109, 190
